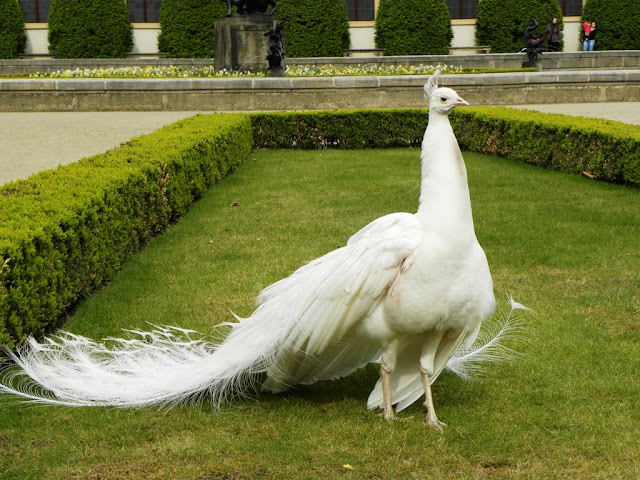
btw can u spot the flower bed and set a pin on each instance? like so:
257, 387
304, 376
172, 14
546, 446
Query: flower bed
173, 71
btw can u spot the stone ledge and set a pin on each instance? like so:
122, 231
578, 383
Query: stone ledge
311, 93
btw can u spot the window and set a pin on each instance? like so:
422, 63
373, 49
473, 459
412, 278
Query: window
360, 10
35, 11
571, 8
463, 8
144, 10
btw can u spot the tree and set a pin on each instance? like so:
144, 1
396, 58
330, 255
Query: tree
616, 21
314, 28
13, 40
501, 23
187, 27
89, 29
413, 27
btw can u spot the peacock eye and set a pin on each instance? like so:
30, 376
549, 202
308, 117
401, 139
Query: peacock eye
443, 99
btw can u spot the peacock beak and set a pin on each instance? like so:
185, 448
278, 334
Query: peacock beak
462, 101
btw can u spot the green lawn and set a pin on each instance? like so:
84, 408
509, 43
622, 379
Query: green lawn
566, 246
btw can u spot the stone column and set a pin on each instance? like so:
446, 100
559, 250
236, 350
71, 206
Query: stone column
240, 42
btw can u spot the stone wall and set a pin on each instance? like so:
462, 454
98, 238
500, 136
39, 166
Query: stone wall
311, 93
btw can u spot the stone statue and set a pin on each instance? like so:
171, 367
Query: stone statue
275, 50
533, 45
251, 7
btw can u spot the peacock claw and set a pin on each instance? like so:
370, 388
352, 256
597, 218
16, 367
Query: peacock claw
393, 418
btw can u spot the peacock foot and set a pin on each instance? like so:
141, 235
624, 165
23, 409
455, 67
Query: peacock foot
389, 416
435, 423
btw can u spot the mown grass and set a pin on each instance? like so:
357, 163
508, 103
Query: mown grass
563, 245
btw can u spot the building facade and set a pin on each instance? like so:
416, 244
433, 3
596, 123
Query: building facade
144, 18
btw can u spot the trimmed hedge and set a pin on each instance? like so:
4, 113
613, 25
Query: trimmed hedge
501, 23
13, 40
347, 129
413, 27
314, 28
89, 29
187, 27
616, 21
65, 232
606, 149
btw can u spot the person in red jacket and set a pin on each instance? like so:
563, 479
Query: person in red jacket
586, 29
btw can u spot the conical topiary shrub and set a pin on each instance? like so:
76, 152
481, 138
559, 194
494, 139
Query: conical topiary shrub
617, 23
413, 27
187, 27
314, 28
13, 40
501, 23
89, 29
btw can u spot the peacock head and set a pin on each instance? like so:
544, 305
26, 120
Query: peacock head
443, 99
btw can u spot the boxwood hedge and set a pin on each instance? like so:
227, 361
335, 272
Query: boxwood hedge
608, 150
65, 232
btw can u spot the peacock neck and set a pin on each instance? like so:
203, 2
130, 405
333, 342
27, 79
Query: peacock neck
444, 193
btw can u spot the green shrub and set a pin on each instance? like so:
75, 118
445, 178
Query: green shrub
617, 23
314, 28
13, 40
605, 149
89, 29
602, 148
187, 27
65, 232
340, 129
413, 27
501, 23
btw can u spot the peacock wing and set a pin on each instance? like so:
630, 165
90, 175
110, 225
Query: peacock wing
326, 300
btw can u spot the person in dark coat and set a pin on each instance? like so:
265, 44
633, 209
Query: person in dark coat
554, 35
591, 38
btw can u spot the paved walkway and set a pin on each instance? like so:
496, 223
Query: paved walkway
628, 112
30, 142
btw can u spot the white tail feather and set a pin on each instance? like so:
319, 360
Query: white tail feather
164, 367
490, 345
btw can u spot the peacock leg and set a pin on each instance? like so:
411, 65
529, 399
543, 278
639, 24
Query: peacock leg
428, 402
385, 375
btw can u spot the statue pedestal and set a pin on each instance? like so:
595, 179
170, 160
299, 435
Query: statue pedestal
241, 43
527, 64
276, 72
